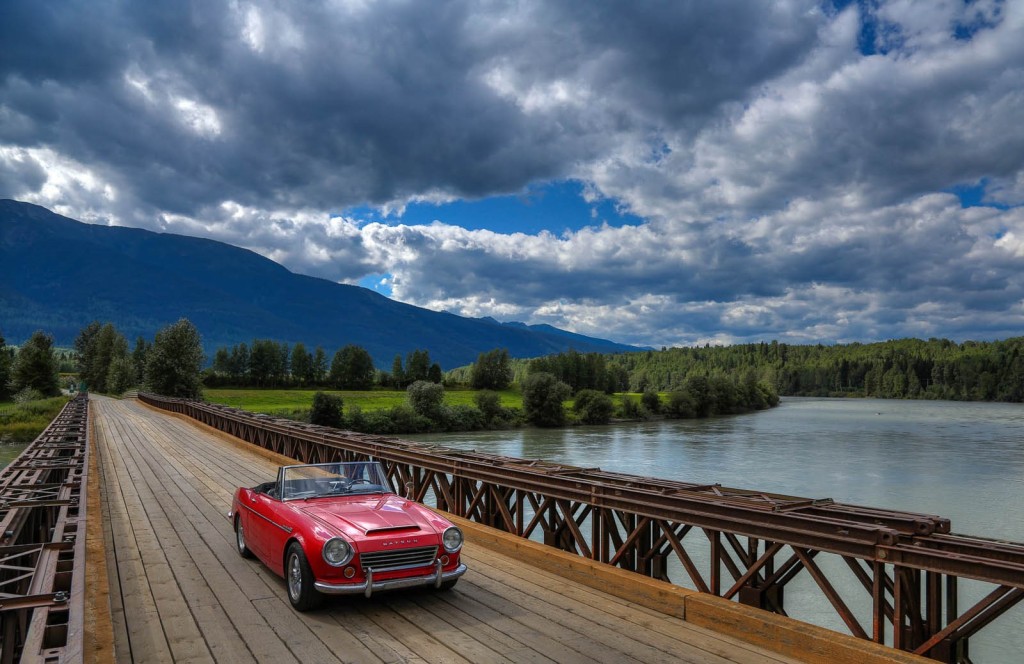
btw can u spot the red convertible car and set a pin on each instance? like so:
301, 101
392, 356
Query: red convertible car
338, 529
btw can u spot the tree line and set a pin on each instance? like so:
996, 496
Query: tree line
896, 369
170, 364
273, 364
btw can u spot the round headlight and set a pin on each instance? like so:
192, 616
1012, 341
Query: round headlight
452, 539
337, 552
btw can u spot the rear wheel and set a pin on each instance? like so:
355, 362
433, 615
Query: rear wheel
299, 578
243, 550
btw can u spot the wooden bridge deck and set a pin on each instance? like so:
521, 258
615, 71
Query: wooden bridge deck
179, 592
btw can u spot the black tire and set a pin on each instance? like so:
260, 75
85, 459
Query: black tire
242, 549
298, 578
447, 585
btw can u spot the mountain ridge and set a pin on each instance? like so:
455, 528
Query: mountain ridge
58, 274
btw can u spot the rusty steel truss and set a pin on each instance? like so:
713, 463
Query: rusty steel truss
733, 543
42, 543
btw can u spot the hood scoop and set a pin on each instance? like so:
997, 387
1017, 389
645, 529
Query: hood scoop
382, 517
393, 530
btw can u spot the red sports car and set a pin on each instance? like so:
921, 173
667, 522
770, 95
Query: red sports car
338, 529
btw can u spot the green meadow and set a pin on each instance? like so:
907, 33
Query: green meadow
294, 401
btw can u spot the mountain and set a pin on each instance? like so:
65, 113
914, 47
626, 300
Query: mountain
58, 274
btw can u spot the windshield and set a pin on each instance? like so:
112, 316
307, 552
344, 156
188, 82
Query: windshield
331, 479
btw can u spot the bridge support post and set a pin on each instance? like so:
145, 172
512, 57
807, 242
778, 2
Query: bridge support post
769, 598
950, 651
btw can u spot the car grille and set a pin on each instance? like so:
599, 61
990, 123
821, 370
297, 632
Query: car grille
399, 558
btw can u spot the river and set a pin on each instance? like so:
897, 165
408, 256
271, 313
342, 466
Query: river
964, 461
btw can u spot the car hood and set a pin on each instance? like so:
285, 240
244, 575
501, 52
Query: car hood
369, 516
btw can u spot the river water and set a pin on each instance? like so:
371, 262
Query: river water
964, 461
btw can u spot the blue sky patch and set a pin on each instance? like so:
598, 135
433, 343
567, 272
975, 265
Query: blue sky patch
380, 283
973, 195
551, 206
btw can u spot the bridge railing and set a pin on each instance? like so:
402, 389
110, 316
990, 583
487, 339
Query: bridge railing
42, 543
734, 543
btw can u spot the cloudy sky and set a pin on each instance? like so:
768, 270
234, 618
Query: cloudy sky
659, 173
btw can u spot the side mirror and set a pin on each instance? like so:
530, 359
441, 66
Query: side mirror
408, 490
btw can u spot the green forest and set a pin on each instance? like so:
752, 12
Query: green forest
898, 369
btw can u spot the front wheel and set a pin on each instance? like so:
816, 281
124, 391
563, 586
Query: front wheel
243, 550
299, 577
448, 585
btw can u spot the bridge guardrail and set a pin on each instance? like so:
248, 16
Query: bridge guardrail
42, 543
756, 543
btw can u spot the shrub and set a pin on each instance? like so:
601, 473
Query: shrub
426, 399
405, 419
489, 403
681, 405
543, 395
327, 410
651, 401
378, 421
356, 420
593, 407
463, 418
630, 409
27, 395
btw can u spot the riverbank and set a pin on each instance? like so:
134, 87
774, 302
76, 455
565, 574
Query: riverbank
401, 412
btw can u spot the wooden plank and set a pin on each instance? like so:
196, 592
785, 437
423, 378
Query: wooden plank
652, 627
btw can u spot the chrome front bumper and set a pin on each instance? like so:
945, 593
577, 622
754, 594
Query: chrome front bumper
370, 586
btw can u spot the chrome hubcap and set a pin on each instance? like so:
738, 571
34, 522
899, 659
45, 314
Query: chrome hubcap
294, 577
241, 537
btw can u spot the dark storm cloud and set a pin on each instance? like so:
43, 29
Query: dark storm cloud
329, 104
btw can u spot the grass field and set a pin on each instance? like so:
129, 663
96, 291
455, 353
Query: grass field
21, 423
281, 402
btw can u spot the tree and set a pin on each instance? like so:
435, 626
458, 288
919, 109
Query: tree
139, 359
84, 344
352, 368
492, 370
651, 401
241, 360
327, 410
302, 364
264, 362
5, 368
543, 395
427, 399
175, 361
35, 366
397, 373
417, 366
222, 361
593, 407
319, 366
681, 404
121, 376
489, 403
106, 346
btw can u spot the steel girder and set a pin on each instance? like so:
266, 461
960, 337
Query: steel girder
735, 543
